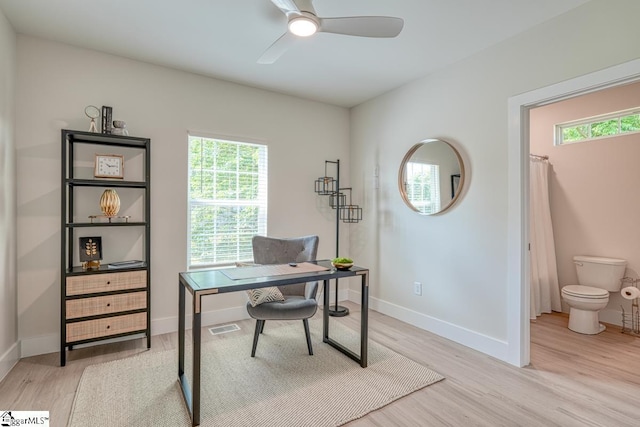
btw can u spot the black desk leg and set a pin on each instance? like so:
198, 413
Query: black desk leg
364, 320
197, 339
184, 382
181, 331
325, 311
364, 324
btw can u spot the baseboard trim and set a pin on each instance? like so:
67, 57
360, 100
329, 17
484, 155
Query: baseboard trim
499, 349
9, 359
614, 317
482, 343
42, 344
50, 343
207, 318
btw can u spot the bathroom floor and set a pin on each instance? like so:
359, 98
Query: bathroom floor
609, 355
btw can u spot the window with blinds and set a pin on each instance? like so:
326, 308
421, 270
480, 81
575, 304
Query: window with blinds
423, 186
227, 200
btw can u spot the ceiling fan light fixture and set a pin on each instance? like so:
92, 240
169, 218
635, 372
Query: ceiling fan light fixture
302, 22
303, 26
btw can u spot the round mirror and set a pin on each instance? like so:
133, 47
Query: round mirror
431, 176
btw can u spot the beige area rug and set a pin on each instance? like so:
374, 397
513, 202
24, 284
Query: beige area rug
281, 386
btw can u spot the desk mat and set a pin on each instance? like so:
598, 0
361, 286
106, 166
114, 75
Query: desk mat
270, 270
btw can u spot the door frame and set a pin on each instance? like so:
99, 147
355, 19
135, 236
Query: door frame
518, 287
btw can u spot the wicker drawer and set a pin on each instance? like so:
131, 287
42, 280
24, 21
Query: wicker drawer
104, 327
88, 284
106, 305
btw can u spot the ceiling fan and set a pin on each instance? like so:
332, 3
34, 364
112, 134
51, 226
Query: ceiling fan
303, 22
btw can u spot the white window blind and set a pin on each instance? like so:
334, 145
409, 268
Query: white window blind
227, 200
423, 186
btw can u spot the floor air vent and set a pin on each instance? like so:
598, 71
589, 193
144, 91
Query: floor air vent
217, 330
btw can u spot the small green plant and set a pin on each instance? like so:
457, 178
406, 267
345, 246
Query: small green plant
342, 260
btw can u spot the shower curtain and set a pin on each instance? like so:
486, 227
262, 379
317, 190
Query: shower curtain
545, 291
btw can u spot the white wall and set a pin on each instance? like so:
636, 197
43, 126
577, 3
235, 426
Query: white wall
461, 256
592, 187
9, 348
55, 82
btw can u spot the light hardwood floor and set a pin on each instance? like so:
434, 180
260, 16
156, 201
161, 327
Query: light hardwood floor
574, 380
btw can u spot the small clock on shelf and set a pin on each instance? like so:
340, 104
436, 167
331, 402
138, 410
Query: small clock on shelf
109, 166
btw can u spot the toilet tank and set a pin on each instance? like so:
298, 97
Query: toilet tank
600, 272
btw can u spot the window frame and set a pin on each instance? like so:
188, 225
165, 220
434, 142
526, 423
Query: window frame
435, 199
262, 202
588, 121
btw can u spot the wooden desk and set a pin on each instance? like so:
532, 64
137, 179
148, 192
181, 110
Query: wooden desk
213, 282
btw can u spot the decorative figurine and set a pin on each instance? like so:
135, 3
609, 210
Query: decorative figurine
93, 113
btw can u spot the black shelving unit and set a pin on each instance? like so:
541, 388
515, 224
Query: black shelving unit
103, 303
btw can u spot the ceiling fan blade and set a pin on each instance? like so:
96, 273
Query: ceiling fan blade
286, 6
280, 46
305, 6
363, 26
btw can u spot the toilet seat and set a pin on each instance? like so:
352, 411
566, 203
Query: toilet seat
588, 292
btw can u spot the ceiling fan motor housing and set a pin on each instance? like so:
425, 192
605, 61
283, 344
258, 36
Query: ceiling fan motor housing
303, 23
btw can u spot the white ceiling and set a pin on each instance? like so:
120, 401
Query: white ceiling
224, 38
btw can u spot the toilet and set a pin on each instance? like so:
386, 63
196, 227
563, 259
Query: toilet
597, 276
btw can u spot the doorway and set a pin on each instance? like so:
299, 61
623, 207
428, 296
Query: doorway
518, 192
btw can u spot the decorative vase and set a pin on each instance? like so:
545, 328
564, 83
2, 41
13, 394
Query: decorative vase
110, 202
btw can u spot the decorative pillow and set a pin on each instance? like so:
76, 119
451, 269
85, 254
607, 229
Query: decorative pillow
261, 295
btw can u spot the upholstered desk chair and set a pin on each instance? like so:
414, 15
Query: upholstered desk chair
299, 299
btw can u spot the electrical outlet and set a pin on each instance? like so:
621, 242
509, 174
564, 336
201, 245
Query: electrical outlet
417, 288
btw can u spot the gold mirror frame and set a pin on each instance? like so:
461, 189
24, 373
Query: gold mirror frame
402, 176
